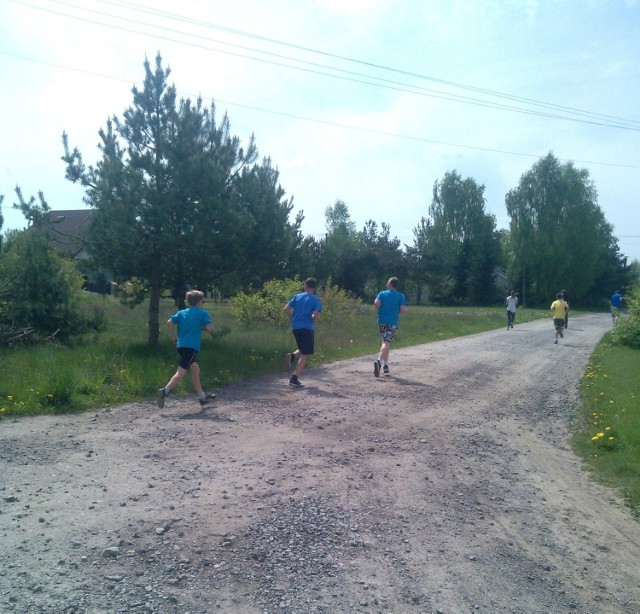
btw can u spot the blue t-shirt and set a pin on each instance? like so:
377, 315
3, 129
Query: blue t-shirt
390, 303
190, 323
616, 301
303, 305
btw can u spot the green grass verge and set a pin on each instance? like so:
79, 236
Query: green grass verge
608, 429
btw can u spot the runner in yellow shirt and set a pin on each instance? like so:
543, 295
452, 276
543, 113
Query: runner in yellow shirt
558, 310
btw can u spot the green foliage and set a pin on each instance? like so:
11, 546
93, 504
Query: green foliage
460, 248
177, 200
44, 288
267, 305
59, 392
132, 292
338, 305
627, 330
608, 436
558, 235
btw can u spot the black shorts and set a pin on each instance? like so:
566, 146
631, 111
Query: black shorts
304, 339
187, 357
558, 323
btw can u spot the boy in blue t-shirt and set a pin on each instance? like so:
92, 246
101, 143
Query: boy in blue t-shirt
303, 309
389, 304
190, 323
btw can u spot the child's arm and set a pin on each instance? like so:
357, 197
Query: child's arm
172, 331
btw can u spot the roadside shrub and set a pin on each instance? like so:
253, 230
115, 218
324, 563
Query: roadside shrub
266, 306
44, 287
627, 330
338, 305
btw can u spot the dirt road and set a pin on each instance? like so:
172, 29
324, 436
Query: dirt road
447, 487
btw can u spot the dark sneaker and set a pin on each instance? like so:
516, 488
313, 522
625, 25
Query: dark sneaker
561, 335
288, 362
160, 396
376, 368
208, 397
386, 369
294, 382
556, 341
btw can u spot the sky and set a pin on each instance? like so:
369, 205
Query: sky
365, 101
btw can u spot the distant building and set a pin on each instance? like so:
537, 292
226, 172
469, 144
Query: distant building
502, 282
68, 231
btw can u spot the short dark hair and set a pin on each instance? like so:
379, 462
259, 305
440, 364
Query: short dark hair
194, 297
311, 282
394, 282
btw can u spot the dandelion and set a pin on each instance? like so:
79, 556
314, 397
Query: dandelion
600, 434
607, 428
10, 397
610, 438
595, 438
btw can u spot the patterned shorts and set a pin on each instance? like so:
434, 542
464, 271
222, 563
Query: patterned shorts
387, 332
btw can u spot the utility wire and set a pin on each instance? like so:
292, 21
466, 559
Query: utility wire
378, 81
320, 121
177, 17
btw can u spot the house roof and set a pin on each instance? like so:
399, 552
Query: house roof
68, 228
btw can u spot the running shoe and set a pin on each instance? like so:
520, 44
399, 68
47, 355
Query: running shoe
376, 368
208, 397
160, 396
294, 382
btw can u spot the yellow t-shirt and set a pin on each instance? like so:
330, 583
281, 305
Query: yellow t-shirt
558, 308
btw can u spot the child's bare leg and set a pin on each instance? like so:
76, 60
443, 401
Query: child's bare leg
175, 380
302, 359
194, 370
385, 348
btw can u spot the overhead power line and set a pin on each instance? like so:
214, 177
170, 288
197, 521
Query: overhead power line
322, 121
560, 112
177, 17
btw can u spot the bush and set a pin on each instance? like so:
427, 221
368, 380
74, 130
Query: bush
267, 305
627, 330
44, 291
338, 305
44, 285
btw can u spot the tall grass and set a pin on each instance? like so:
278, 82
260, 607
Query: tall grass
608, 429
117, 366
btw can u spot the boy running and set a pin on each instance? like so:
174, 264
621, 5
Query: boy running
389, 303
190, 323
303, 309
558, 309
